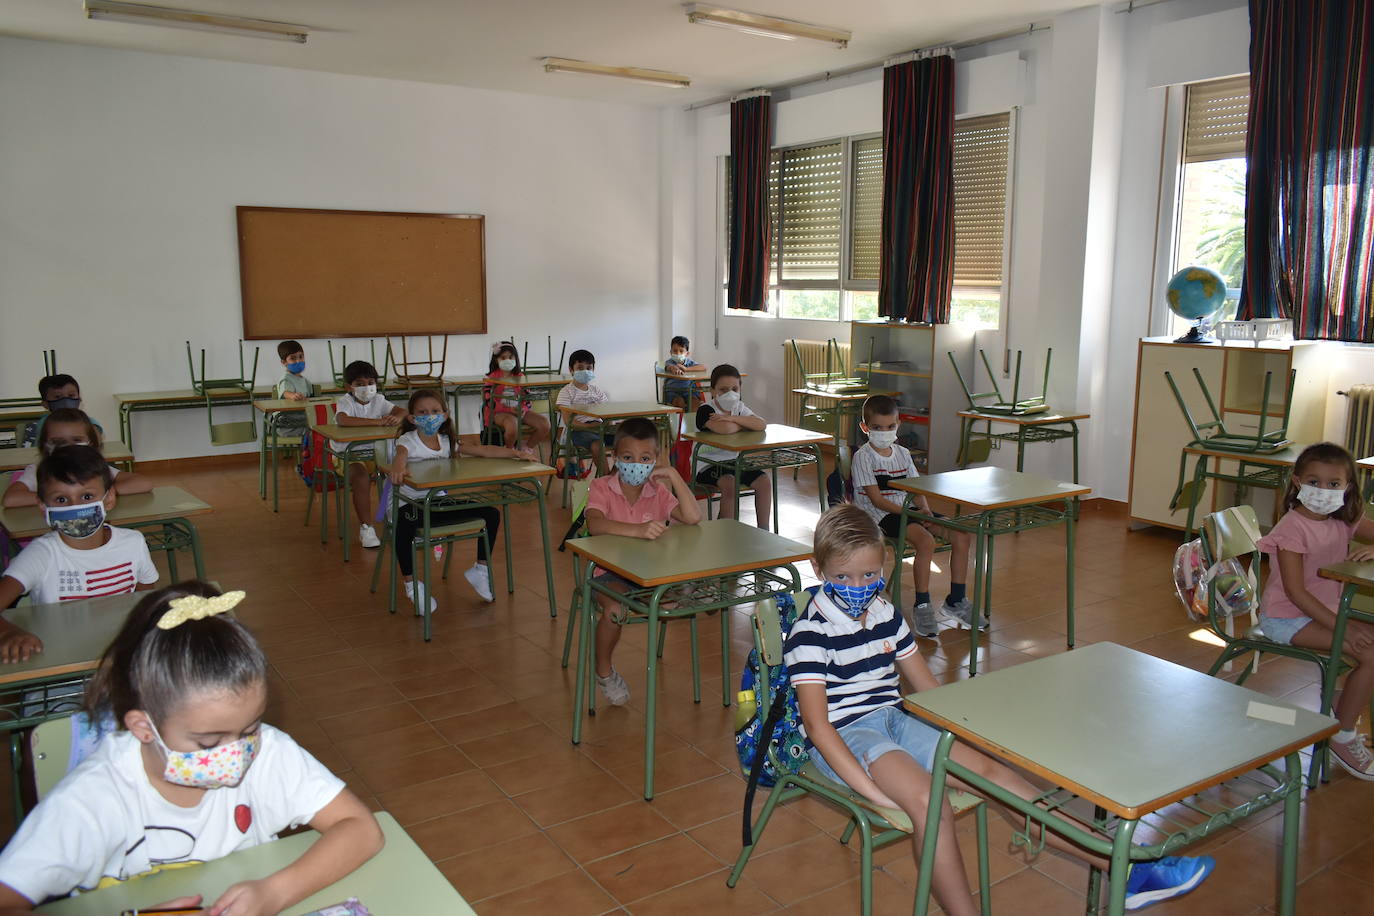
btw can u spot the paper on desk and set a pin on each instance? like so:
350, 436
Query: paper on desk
1280, 714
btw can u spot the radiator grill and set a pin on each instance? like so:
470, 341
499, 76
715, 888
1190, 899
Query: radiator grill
813, 360
1359, 424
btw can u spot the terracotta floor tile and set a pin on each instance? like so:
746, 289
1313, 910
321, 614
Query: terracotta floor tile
530, 741
554, 768
889, 899
610, 831
484, 723
396, 744
500, 867
476, 696
441, 796
377, 722
352, 699
563, 802
648, 869
722, 839
570, 894
475, 828
707, 894
802, 869
671, 770
700, 802
386, 775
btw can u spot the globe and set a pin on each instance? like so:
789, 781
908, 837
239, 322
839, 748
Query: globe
1196, 294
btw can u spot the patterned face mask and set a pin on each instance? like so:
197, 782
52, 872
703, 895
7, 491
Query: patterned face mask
635, 473
1321, 500
213, 768
854, 599
80, 521
364, 393
429, 423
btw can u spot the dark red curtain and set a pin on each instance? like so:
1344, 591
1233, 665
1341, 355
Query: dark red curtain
917, 273
751, 137
1309, 187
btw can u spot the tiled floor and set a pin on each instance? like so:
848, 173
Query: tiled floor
465, 740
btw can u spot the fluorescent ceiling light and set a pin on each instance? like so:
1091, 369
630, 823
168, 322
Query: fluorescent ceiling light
142, 14
638, 74
768, 26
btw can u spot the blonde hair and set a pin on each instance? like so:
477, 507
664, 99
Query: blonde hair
843, 530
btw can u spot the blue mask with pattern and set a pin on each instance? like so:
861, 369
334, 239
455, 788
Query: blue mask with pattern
429, 423
854, 599
79, 521
635, 473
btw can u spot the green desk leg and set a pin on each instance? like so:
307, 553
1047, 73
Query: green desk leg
1320, 767
1121, 867
931, 835
422, 595
1199, 480
965, 428
262, 457
1073, 427
582, 686
544, 538
1021, 447
651, 691
1070, 520
1288, 873
982, 587
347, 501
126, 425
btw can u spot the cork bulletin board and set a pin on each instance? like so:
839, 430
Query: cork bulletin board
358, 273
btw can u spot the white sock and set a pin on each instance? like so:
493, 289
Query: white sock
1345, 736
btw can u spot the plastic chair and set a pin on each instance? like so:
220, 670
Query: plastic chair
1231, 534
225, 433
993, 401
877, 826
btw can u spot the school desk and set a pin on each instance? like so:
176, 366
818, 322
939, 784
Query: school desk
541, 385
356, 441
1253, 469
180, 399
48, 685
469, 483
1003, 502
1354, 578
610, 413
709, 563
166, 512
17, 413
398, 880
775, 446
1366, 465
827, 410
274, 411
115, 452
1137, 741
699, 376
1034, 427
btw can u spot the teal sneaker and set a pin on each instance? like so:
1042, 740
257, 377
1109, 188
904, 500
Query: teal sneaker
1173, 876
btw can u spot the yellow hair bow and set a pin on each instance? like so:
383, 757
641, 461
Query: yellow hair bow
194, 607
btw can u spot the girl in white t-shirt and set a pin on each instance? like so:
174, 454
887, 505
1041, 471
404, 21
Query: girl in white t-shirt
67, 426
427, 432
192, 774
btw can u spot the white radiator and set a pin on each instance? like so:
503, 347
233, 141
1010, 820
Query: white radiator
813, 360
1359, 421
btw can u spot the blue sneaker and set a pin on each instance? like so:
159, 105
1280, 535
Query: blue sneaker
1174, 876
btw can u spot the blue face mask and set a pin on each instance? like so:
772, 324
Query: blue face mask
296, 368
60, 403
430, 423
583, 376
635, 473
854, 599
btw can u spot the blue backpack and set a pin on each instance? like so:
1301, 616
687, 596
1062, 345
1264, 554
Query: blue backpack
780, 724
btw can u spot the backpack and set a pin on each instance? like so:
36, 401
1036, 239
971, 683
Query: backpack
315, 455
779, 725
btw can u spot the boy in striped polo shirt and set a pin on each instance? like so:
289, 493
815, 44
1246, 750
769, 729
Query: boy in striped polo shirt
843, 656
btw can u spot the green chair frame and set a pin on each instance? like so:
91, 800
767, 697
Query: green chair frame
225, 433
50, 362
419, 372
1232, 534
50, 747
835, 378
336, 371
548, 367
1214, 434
993, 402
877, 825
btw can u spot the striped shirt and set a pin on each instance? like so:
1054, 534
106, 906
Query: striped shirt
51, 571
855, 660
868, 469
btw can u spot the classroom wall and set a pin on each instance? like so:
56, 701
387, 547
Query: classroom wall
120, 172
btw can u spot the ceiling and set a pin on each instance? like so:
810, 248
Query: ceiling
496, 44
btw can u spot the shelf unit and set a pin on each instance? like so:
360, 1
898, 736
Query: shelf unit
1234, 372
910, 358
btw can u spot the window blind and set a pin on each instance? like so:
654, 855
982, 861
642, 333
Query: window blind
1215, 123
866, 208
807, 187
982, 151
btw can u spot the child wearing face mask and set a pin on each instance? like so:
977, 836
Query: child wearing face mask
1297, 607
82, 557
682, 390
427, 432
364, 405
636, 501
58, 392
584, 432
726, 413
192, 773
507, 407
68, 426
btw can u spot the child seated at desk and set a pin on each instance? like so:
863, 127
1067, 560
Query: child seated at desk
584, 432
505, 407
82, 557
726, 413
636, 501
679, 392
58, 392
877, 463
427, 432
294, 386
68, 426
191, 775
843, 655
362, 405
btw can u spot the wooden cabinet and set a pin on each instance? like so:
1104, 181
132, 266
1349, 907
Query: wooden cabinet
1234, 373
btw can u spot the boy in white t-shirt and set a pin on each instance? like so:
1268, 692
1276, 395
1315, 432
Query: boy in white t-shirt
726, 413
82, 557
363, 405
584, 432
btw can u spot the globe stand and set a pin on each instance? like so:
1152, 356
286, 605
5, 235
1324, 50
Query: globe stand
1195, 334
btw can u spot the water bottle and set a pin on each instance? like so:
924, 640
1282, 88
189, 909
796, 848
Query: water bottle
746, 705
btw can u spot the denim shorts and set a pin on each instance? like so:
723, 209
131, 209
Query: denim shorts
882, 730
1282, 629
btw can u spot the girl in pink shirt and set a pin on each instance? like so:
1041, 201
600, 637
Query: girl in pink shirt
1297, 607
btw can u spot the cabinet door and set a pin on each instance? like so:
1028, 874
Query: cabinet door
1161, 431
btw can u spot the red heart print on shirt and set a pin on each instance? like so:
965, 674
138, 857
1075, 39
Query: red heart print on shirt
243, 817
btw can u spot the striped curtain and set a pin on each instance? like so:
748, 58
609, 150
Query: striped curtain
917, 271
751, 136
1309, 188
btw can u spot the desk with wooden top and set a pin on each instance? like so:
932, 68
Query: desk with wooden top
533, 385
708, 563
167, 510
16, 414
698, 377
1031, 427
357, 442
832, 407
398, 880
178, 399
115, 452
775, 446
274, 411
1268, 471
1122, 737
1003, 502
1366, 466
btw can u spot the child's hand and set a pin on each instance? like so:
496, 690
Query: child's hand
18, 646
396, 475
522, 454
247, 898
674, 369
1361, 553
293, 396
650, 531
392, 419
665, 474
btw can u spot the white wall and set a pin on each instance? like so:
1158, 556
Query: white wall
119, 174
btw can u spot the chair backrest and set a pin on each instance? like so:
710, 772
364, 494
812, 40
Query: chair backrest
1230, 534
51, 747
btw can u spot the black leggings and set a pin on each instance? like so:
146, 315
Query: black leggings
408, 525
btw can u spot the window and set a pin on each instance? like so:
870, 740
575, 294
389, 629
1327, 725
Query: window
1210, 228
982, 155
805, 191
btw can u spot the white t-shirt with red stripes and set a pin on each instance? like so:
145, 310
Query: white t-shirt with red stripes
51, 571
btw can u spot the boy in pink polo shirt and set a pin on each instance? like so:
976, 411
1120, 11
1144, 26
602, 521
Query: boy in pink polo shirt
636, 501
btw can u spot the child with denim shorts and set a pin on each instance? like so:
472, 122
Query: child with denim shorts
584, 432
843, 656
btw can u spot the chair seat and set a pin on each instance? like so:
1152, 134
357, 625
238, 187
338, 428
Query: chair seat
233, 433
959, 801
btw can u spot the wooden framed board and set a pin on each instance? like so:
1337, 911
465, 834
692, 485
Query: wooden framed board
360, 273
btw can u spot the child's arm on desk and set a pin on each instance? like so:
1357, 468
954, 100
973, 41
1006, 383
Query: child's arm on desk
16, 645
598, 523
397, 474
753, 422
349, 836
16, 494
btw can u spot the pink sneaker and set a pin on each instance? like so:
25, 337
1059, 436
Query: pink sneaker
1354, 757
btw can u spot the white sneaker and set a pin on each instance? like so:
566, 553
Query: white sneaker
614, 688
479, 577
410, 593
368, 537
